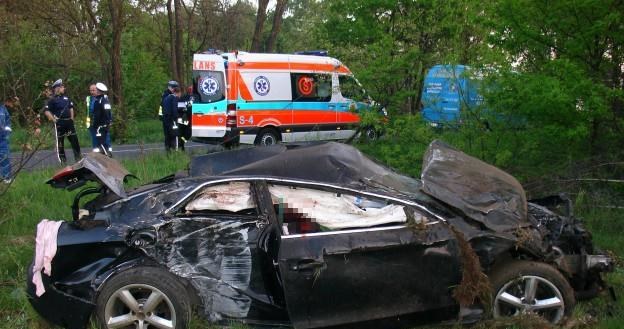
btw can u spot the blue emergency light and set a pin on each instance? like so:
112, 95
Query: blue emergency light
312, 52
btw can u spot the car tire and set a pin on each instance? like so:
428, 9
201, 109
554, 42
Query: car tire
267, 137
531, 287
143, 295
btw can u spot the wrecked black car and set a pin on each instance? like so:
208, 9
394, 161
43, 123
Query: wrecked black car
308, 236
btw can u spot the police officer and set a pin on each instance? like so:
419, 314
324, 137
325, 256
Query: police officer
170, 119
90, 102
60, 110
170, 85
102, 118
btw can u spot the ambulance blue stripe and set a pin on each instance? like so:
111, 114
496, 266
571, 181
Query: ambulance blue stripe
216, 107
297, 106
256, 106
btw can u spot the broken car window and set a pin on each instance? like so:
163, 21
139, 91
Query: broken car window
232, 197
304, 210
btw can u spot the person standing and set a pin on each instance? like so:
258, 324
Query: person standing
60, 110
170, 85
170, 119
5, 132
102, 118
185, 104
90, 102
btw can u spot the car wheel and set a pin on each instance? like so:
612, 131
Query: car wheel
523, 287
267, 137
143, 297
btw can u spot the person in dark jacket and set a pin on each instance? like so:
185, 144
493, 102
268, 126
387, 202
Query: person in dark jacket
170, 85
60, 110
102, 118
170, 119
5, 132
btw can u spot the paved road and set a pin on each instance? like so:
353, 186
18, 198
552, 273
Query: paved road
48, 159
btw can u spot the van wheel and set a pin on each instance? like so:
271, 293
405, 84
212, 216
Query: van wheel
266, 137
143, 297
370, 134
523, 287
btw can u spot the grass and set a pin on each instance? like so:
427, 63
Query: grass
28, 200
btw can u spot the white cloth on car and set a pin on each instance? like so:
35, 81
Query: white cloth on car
45, 249
335, 211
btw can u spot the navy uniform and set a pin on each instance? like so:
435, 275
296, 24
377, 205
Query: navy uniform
102, 118
184, 119
60, 110
170, 122
169, 105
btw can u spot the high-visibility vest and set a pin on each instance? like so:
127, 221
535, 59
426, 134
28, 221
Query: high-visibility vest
88, 117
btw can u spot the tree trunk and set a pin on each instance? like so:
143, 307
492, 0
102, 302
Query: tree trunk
117, 22
173, 63
178, 44
277, 24
260, 18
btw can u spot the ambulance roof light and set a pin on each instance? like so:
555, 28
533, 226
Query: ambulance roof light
212, 51
313, 52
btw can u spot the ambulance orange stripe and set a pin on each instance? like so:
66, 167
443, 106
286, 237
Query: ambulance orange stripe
263, 117
209, 120
232, 92
283, 117
242, 88
293, 66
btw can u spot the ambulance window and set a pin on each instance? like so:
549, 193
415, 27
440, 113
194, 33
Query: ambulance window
351, 89
209, 85
310, 87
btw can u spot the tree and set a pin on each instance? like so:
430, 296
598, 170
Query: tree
570, 58
391, 44
280, 7
260, 18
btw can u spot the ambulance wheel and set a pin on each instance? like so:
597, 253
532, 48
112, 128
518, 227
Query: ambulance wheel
266, 137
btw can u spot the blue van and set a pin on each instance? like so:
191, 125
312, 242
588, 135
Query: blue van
446, 90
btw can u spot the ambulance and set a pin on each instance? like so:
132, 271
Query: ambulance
263, 99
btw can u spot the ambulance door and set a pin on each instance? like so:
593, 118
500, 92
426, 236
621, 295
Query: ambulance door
209, 101
355, 100
314, 107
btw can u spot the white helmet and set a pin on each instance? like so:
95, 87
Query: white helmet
101, 87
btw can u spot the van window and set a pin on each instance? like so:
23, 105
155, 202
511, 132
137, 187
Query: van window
311, 87
351, 89
209, 85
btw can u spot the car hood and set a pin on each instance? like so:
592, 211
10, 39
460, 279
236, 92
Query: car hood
92, 167
481, 191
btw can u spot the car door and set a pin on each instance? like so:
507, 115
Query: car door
219, 239
352, 272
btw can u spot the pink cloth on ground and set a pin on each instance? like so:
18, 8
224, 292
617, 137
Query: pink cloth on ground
45, 249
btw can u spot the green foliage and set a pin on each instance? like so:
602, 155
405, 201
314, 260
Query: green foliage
144, 75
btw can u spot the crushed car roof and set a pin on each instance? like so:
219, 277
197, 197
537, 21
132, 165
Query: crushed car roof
330, 162
479, 190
